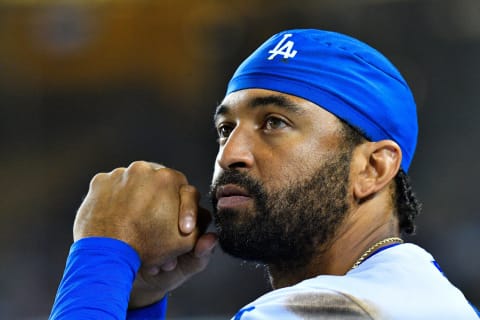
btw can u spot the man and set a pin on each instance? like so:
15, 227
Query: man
316, 134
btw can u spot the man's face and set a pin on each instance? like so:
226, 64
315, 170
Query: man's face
279, 188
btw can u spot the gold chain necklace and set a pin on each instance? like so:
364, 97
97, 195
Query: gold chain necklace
375, 247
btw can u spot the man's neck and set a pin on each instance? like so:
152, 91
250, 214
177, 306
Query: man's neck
352, 240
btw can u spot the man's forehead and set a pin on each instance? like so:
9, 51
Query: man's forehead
258, 98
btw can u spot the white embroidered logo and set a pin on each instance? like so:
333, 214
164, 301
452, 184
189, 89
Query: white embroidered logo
284, 49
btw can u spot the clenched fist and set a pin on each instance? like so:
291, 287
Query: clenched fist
154, 210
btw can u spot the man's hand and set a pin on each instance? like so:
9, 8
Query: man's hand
154, 210
151, 285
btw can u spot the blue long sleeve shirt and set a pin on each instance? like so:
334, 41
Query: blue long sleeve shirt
97, 281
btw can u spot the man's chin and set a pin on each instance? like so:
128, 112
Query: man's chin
235, 239
241, 253
246, 246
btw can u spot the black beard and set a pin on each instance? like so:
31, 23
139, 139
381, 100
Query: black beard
290, 225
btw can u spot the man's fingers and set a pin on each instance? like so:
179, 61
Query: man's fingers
205, 245
156, 166
196, 261
189, 197
169, 265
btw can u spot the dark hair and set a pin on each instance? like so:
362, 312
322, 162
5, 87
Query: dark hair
406, 202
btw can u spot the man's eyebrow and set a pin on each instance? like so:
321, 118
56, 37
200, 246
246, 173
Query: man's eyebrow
222, 109
276, 100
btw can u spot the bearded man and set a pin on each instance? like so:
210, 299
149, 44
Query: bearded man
316, 135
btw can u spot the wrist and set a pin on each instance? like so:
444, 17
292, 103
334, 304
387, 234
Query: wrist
154, 311
145, 299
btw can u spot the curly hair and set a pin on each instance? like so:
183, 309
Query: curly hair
406, 202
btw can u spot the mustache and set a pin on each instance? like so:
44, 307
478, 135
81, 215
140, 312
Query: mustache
237, 178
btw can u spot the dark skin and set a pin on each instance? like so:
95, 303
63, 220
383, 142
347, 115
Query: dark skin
273, 137
273, 142
156, 211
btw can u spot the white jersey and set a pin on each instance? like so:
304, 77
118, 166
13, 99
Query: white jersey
401, 282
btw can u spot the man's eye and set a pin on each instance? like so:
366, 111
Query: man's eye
274, 123
224, 131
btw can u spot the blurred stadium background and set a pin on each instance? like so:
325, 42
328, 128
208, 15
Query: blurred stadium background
86, 86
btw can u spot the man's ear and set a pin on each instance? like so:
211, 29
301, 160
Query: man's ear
374, 165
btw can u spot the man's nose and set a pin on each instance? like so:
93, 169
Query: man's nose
237, 152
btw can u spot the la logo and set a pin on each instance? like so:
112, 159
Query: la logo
283, 48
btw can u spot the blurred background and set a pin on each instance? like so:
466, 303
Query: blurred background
87, 86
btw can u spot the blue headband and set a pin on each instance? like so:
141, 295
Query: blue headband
348, 78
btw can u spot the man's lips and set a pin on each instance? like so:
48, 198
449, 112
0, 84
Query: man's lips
230, 195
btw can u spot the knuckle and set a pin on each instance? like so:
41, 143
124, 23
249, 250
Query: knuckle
181, 177
117, 172
189, 193
156, 166
188, 188
98, 178
172, 175
138, 166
